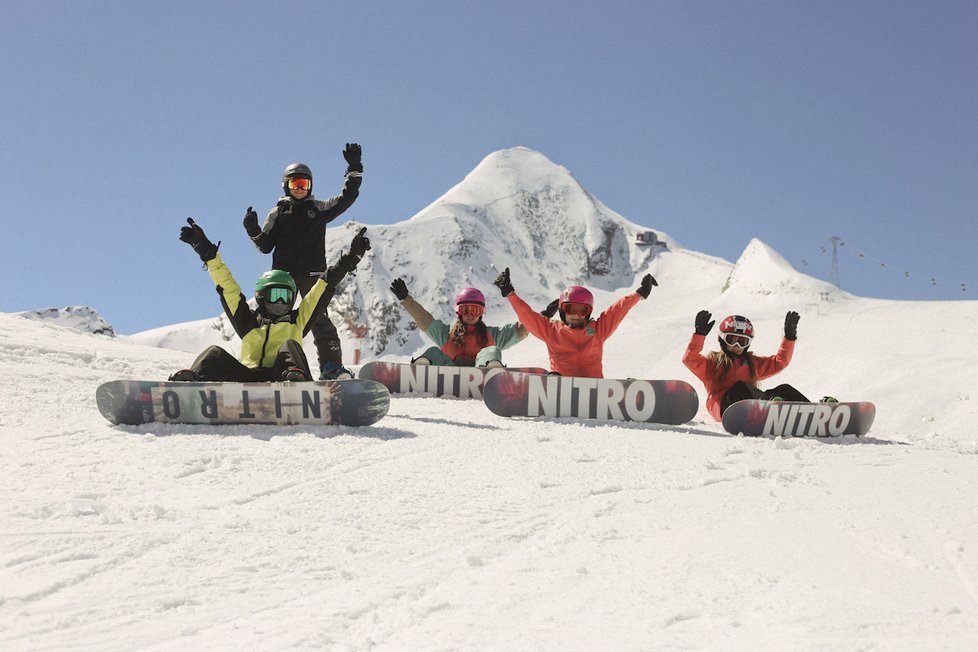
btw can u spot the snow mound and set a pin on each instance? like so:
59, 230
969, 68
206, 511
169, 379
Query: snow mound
79, 318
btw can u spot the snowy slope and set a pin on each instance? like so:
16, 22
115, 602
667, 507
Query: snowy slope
446, 527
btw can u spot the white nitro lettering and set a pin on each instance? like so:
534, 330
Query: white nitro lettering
779, 419
820, 421
414, 378
449, 377
839, 420
470, 382
542, 396
608, 405
805, 411
639, 391
585, 388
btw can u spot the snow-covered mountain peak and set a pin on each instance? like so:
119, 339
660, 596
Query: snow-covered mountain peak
762, 270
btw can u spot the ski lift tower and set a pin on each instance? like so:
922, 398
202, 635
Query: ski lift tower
836, 241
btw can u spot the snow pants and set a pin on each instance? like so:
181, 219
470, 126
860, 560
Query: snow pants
437, 357
214, 363
324, 333
742, 391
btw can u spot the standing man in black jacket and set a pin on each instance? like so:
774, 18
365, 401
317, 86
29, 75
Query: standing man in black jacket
295, 234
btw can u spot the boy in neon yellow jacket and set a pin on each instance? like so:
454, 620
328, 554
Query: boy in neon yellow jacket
271, 336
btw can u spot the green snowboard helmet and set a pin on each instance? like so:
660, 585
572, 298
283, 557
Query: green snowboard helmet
275, 292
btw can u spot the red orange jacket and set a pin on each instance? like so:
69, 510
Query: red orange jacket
717, 388
574, 351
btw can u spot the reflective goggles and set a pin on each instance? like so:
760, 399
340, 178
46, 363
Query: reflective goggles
278, 295
733, 339
470, 310
576, 309
298, 183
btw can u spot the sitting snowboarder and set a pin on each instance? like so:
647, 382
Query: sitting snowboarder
732, 373
468, 342
271, 336
576, 342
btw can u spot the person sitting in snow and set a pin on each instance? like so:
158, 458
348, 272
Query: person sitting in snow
732, 373
468, 342
271, 336
575, 344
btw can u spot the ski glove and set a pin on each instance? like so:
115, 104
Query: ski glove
791, 325
194, 236
352, 155
647, 282
251, 222
551, 309
360, 244
502, 282
336, 273
703, 323
399, 288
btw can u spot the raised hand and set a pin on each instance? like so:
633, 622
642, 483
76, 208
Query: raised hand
503, 283
399, 288
703, 322
251, 222
791, 325
194, 236
360, 243
647, 282
352, 154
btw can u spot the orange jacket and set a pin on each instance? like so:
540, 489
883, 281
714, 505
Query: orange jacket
717, 388
574, 351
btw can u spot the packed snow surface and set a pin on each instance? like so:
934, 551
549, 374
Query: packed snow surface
445, 527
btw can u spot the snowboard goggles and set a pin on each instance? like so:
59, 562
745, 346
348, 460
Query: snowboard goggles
298, 183
732, 339
470, 310
576, 309
279, 295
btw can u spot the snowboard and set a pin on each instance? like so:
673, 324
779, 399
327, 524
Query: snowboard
652, 401
335, 402
758, 418
461, 382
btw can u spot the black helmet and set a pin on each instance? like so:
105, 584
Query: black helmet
296, 170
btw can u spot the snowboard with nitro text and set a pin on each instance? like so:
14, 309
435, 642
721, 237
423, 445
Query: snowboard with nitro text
336, 402
652, 401
461, 382
758, 418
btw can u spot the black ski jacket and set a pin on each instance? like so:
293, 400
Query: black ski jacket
295, 231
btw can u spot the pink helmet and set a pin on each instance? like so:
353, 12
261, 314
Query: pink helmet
577, 294
470, 295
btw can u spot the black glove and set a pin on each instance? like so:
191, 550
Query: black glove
551, 309
399, 288
194, 236
352, 155
791, 325
703, 323
502, 282
360, 243
251, 222
647, 282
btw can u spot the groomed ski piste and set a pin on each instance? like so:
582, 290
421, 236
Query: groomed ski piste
444, 526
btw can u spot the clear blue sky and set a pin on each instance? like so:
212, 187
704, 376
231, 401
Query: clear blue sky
714, 121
